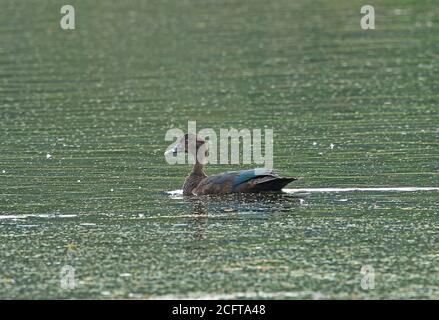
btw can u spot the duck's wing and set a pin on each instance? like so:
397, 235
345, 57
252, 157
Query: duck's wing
261, 179
253, 180
246, 175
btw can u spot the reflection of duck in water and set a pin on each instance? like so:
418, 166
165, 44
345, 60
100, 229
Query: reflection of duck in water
207, 209
198, 183
242, 203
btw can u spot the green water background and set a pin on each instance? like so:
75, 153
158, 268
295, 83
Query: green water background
99, 99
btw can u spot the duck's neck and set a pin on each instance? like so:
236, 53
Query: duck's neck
200, 160
197, 170
194, 179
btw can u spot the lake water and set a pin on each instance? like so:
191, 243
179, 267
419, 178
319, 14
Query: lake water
84, 183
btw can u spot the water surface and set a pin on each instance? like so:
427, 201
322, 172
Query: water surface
83, 180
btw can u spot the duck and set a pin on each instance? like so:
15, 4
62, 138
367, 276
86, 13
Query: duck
242, 181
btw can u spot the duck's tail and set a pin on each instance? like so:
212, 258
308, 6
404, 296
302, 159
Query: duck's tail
270, 183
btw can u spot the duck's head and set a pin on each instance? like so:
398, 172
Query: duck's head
192, 144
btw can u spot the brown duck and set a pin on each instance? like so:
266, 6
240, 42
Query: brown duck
198, 183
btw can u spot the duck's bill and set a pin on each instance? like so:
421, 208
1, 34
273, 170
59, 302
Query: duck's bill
172, 151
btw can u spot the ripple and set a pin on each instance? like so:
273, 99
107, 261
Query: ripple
41, 215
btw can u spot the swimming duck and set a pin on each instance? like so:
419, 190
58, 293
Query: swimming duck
198, 183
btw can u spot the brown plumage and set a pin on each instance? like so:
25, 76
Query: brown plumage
198, 183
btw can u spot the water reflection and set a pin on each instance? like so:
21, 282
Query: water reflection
209, 209
242, 203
